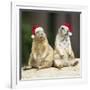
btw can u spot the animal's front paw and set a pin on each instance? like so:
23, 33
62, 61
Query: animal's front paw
71, 56
62, 56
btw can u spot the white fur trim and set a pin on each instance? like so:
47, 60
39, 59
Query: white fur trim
70, 34
65, 27
32, 36
39, 29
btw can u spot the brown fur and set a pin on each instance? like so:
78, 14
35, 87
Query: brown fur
41, 55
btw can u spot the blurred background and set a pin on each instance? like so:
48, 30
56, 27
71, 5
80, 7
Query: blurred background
50, 21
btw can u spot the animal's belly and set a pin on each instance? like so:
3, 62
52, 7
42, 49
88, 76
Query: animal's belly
64, 45
40, 50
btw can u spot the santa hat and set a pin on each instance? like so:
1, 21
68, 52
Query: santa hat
36, 28
68, 27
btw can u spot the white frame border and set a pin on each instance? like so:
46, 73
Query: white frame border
15, 6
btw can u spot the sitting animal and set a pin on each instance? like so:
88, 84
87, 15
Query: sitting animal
63, 53
41, 53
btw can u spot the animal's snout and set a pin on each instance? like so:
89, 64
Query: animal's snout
41, 34
63, 31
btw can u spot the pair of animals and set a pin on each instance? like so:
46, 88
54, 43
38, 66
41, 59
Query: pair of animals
42, 54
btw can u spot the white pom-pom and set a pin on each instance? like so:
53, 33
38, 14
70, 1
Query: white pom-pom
32, 36
70, 34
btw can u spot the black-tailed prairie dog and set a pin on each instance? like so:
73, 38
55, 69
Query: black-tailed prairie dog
63, 53
41, 53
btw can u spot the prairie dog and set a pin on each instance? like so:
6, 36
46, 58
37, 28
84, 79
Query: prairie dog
63, 53
41, 53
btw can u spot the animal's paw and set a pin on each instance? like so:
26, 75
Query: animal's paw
74, 63
27, 67
71, 55
62, 56
60, 66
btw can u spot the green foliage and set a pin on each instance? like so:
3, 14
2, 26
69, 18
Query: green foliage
26, 42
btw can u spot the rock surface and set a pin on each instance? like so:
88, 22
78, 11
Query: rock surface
51, 73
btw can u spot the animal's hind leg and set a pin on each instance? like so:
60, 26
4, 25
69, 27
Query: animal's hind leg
30, 61
29, 66
48, 62
57, 62
73, 62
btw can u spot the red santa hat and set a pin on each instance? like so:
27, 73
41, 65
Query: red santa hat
68, 27
36, 28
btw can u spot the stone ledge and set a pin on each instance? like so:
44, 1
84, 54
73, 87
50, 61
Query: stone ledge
52, 72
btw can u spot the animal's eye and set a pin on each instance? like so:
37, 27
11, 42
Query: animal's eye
62, 28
